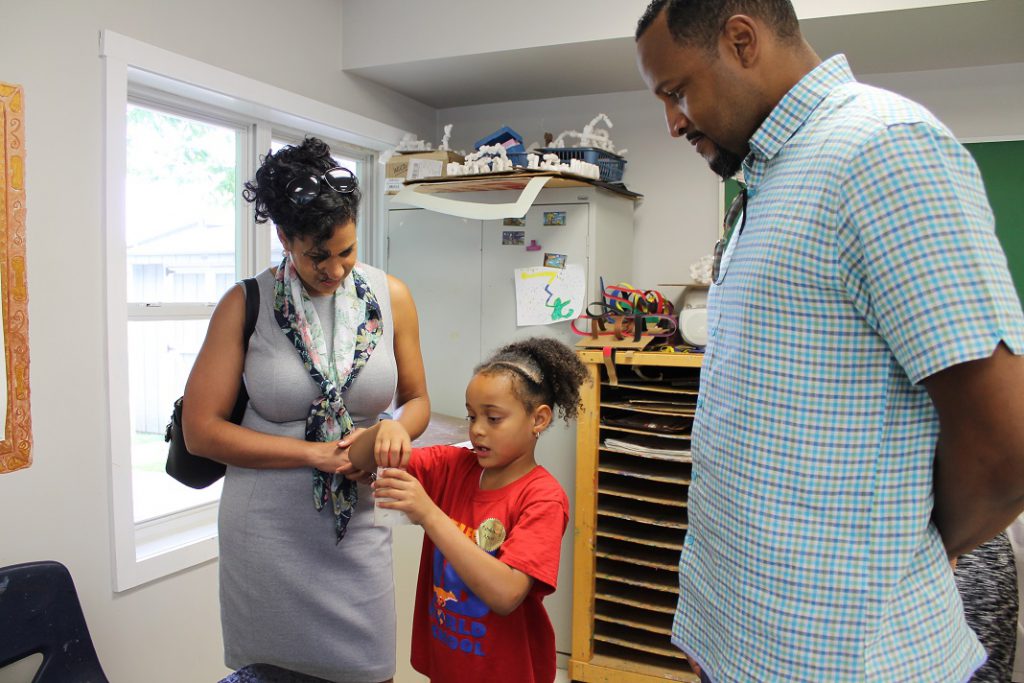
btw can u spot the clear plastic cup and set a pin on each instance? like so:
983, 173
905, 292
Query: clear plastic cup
385, 516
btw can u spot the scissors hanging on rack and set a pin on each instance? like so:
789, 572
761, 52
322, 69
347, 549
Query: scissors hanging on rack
627, 299
603, 319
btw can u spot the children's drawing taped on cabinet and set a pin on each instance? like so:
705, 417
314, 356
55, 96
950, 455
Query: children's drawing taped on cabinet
461, 274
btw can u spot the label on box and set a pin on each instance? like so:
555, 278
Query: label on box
424, 168
392, 185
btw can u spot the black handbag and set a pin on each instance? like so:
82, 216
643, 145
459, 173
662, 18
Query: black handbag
195, 470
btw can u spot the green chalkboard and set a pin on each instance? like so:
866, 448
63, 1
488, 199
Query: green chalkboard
1002, 169
732, 188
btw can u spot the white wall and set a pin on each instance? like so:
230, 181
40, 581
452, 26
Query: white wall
446, 28
677, 221
59, 508
983, 102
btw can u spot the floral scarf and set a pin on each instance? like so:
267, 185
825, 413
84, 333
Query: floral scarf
357, 329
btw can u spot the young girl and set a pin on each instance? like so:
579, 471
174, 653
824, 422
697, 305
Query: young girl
493, 519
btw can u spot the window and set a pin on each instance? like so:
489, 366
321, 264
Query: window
181, 218
181, 138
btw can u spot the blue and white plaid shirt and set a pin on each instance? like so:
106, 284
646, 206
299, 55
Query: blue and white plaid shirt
867, 263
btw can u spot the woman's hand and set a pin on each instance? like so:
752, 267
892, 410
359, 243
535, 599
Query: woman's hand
392, 446
332, 457
406, 494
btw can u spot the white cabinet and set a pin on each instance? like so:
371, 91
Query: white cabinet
460, 273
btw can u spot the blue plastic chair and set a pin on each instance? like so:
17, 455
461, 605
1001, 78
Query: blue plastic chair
40, 613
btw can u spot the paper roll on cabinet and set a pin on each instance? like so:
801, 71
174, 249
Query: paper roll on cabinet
633, 471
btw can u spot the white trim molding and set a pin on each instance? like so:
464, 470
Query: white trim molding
146, 551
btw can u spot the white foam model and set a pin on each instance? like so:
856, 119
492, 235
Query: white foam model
494, 158
591, 136
700, 270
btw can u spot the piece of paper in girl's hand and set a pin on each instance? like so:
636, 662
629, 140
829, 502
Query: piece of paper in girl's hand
384, 516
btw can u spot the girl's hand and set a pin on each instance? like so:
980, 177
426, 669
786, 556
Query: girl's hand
406, 494
393, 446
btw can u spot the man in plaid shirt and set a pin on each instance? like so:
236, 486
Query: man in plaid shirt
861, 415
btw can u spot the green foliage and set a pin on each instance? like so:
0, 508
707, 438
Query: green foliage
184, 156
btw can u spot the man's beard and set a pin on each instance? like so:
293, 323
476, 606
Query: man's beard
724, 163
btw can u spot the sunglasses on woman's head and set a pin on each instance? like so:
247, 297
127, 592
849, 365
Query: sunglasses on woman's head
303, 189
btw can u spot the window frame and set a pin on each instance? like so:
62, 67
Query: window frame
134, 71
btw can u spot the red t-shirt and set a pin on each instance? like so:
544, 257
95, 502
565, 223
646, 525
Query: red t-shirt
455, 636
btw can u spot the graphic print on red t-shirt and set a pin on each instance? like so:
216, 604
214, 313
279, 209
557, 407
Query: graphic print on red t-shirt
458, 614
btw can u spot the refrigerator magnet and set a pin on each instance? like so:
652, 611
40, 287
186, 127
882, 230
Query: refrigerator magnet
554, 218
554, 260
513, 237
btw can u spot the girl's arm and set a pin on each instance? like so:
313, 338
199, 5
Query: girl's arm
501, 587
361, 452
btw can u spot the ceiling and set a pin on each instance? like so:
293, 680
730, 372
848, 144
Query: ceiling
940, 37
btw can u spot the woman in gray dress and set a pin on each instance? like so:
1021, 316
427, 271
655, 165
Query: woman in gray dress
305, 577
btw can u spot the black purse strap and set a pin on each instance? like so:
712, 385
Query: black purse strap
252, 314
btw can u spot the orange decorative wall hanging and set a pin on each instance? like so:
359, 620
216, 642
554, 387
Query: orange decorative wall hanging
16, 427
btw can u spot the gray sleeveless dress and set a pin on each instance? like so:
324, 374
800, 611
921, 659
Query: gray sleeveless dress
289, 595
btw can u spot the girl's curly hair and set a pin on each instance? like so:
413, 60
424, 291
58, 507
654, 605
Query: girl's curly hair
318, 218
543, 371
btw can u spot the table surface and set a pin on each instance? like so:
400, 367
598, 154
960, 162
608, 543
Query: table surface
443, 429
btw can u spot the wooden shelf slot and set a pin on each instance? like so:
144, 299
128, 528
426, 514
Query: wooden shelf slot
608, 427
651, 388
640, 598
650, 556
668, 471
649, 666
636, 639
621, 491
625, 615
631, 574
625, 530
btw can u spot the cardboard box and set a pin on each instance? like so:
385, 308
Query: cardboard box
415, 166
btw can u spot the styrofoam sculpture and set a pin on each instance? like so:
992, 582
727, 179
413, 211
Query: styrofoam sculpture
591, 136
494, 158
411, 143
700, 270
445, 138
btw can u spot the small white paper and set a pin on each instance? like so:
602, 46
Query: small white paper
384, 516
549, 295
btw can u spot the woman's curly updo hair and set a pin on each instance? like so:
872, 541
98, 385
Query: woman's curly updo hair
542, 371
318, 218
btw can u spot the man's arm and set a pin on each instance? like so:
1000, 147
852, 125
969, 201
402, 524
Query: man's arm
979, 460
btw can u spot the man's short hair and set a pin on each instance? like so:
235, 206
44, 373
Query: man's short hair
699, 22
